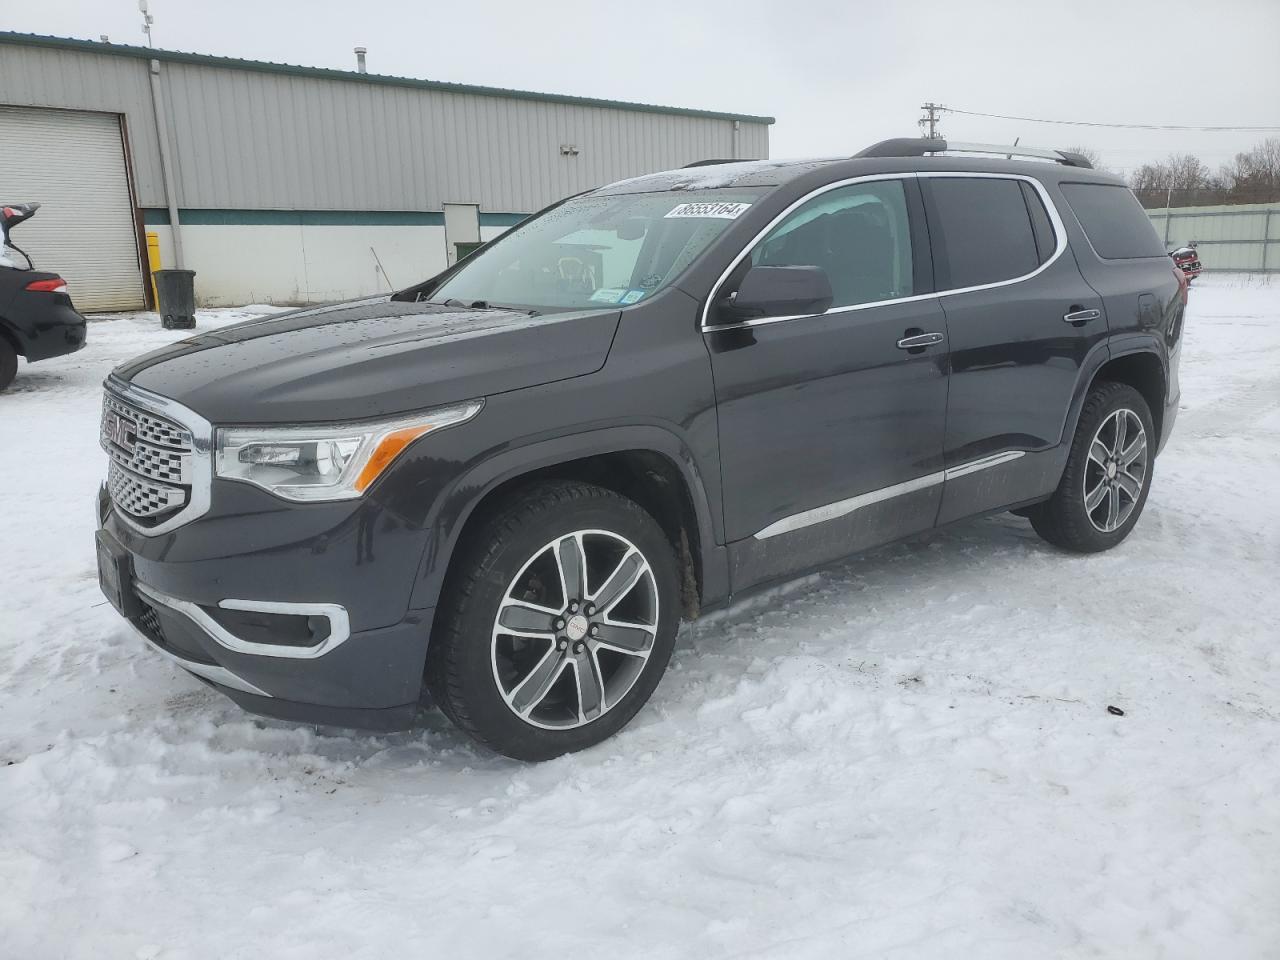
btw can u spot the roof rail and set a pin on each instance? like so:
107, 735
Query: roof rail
919, 146
707, 163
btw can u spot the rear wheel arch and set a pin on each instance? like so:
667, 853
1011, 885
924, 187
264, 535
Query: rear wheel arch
1141, 367
1145, 372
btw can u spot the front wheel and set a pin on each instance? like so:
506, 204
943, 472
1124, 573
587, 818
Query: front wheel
1108, 474
557, 621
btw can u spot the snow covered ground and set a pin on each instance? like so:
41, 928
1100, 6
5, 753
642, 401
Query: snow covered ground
907, 756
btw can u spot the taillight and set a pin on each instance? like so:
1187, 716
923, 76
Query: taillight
52, 285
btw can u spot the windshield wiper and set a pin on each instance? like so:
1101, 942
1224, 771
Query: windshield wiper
482, 305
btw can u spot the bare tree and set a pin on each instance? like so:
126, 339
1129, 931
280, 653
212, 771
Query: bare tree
1253, 177
1180, 179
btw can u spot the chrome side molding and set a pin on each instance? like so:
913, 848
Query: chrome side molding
841, 508
973, 466
798, 521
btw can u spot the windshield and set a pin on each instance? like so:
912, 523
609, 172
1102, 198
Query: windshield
598, 250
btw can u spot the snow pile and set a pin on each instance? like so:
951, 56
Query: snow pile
909, 755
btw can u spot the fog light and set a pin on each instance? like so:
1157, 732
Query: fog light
276, 629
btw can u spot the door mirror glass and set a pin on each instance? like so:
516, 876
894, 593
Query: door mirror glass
777, 292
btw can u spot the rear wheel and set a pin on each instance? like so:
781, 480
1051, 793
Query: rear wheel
1108, 474
557, 622
8, 363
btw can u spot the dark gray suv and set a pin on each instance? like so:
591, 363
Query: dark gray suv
507, 485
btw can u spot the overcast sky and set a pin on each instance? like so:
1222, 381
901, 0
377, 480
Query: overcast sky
837, 75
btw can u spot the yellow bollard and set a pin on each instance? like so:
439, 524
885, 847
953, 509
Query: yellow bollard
153, 264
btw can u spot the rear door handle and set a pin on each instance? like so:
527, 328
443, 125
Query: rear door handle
1081, 316
920, 340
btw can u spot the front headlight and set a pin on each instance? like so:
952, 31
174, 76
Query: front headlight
333, 461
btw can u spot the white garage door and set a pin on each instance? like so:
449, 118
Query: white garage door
73, 164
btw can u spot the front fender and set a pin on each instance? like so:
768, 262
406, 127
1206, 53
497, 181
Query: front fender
459, 499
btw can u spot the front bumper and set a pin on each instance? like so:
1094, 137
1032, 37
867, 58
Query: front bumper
365, 672
163, 633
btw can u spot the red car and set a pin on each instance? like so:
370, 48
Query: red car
1188, 261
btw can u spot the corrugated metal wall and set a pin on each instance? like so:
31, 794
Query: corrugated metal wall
1239, 237
250, 139
39, 77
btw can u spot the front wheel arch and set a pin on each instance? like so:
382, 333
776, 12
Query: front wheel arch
686, 515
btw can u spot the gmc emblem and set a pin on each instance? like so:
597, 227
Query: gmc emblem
123, 433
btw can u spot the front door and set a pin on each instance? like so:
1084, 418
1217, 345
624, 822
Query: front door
830, 431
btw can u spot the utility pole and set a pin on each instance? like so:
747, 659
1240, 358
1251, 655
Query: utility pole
147, 19
931, 119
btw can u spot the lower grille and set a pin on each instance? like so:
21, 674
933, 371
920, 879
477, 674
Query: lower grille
150, 624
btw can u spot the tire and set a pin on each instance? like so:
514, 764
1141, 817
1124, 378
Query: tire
8, 363
564, 681
1067, 519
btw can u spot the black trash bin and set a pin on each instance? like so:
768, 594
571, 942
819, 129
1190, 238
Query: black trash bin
176, 290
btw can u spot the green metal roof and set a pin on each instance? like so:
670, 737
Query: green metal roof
233, 63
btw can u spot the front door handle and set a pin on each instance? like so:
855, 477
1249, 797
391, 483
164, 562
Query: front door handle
1081, 316
919, 340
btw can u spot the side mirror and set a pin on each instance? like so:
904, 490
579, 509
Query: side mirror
777, 292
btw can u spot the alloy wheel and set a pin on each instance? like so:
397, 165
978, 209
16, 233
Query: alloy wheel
574, 629
1116, 470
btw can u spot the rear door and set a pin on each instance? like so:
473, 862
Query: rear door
830, 433
1021, 321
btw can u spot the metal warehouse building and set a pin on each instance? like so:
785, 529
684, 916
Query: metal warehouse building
279, 183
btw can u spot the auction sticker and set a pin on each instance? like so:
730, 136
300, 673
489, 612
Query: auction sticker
719, 210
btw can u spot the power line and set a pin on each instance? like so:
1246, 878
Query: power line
1119, 126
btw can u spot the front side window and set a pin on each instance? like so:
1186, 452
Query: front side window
859, 235
982, 230
598, 251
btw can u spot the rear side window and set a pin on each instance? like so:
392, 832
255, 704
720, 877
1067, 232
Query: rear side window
1113, 220
981, 231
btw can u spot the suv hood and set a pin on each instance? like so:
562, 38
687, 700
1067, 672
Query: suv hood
369, 358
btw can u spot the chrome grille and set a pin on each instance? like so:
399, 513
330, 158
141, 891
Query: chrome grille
151, 429
149, 475
140, 497
155, 463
